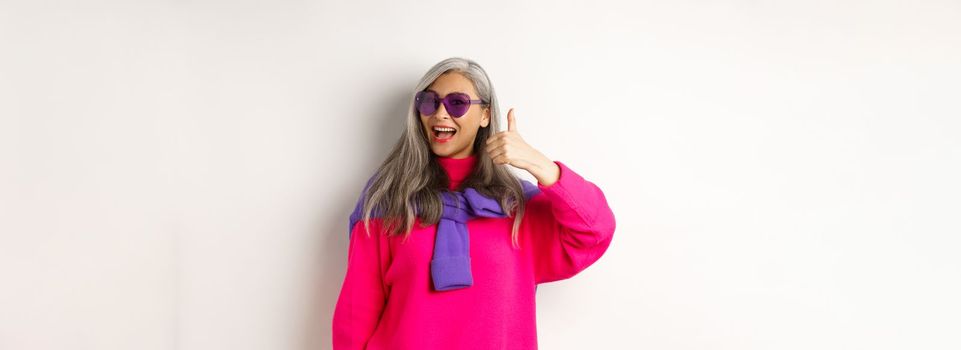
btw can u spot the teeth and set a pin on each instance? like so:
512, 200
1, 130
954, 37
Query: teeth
443, 129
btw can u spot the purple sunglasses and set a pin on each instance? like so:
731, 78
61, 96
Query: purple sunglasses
456, 103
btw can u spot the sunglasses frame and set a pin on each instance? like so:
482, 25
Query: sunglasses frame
446, 101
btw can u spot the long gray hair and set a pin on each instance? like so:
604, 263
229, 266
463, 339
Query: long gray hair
411, 177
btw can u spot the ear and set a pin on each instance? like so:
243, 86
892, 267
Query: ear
486, 119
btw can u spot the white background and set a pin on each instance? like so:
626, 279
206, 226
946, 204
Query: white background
784, 174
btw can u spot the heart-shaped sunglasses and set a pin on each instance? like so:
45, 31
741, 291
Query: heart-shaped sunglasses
456, 103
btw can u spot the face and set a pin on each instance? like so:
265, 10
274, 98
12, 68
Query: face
461, 143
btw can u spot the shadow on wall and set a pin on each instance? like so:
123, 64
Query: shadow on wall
330, 265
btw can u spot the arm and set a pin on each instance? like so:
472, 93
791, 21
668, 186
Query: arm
363, 294
571, 226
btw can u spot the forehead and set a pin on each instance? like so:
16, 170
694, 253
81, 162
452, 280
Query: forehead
452, 82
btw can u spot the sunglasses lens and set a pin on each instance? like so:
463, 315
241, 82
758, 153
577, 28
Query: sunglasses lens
457, 104
426, 102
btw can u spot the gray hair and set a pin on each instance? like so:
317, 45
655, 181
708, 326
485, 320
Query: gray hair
410, 177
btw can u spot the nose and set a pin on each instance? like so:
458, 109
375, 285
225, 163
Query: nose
441, 112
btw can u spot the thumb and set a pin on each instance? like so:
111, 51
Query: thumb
511, 121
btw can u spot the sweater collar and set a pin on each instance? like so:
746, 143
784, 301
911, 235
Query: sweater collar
457, 169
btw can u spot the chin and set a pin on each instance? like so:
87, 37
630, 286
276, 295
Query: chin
446, 152
442, 154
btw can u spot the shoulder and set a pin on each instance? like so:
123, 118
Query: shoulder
359, 229
357, 213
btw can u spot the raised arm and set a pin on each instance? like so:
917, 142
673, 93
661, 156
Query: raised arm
570, 224
363, 294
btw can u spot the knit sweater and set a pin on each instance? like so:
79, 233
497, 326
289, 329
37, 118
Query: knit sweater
386, 300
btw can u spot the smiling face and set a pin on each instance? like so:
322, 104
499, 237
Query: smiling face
461, 143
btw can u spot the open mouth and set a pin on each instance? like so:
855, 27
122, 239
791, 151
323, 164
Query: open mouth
441, 133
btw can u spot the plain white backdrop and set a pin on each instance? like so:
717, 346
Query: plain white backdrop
179, 174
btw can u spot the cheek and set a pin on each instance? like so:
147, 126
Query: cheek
469, 134
472, 119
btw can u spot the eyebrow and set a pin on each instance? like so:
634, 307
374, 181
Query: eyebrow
432, 90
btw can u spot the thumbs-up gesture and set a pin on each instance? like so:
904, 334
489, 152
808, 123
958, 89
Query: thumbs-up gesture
507, 147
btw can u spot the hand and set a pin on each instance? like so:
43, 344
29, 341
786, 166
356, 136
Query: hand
507, 147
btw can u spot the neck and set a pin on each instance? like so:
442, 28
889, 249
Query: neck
457, 169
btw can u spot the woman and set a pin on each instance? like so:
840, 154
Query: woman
447, 246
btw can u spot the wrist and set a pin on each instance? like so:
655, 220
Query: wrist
547, 172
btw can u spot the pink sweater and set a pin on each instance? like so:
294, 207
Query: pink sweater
386, 301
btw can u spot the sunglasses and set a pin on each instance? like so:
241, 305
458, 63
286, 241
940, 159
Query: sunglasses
456, 103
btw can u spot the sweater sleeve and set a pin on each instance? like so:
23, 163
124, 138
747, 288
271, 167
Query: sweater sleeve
571, 226
363, 294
